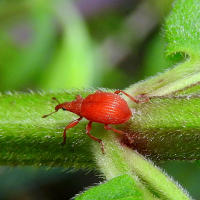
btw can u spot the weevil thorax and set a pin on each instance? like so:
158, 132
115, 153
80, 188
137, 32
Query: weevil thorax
73, 106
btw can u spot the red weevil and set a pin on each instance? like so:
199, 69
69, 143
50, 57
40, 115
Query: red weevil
102, 107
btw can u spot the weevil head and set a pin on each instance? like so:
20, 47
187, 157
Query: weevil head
59, 106
73, 106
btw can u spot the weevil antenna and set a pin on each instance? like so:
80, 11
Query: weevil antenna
55, 99
44, 116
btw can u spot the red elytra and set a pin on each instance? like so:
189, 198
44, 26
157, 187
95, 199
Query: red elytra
102, 107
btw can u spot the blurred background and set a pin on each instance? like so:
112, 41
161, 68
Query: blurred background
59, 44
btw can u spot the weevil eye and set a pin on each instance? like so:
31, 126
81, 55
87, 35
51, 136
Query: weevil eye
64, 108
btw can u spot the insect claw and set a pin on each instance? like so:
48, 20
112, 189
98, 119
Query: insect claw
143, 98
102, 147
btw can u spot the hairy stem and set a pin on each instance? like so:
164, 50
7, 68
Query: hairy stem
164, 128
120, 160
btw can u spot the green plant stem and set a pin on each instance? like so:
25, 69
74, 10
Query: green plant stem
28, 139
120, 160
113, 164
164, 128
169, 125
154, 176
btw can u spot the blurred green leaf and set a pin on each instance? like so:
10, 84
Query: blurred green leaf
187, 173
154, 59
27, 38
73, 65
161, 7
198, 162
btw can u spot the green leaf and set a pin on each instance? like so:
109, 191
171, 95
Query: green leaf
119, 188
183, 36
182, 28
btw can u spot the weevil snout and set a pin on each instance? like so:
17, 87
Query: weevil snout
58, 107
63, 106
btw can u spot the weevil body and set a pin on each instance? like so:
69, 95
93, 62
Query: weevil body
102, 107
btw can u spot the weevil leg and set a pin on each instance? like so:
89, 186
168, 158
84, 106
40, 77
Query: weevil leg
88, 129
70, 125
129, 96
108, 127
132, 98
